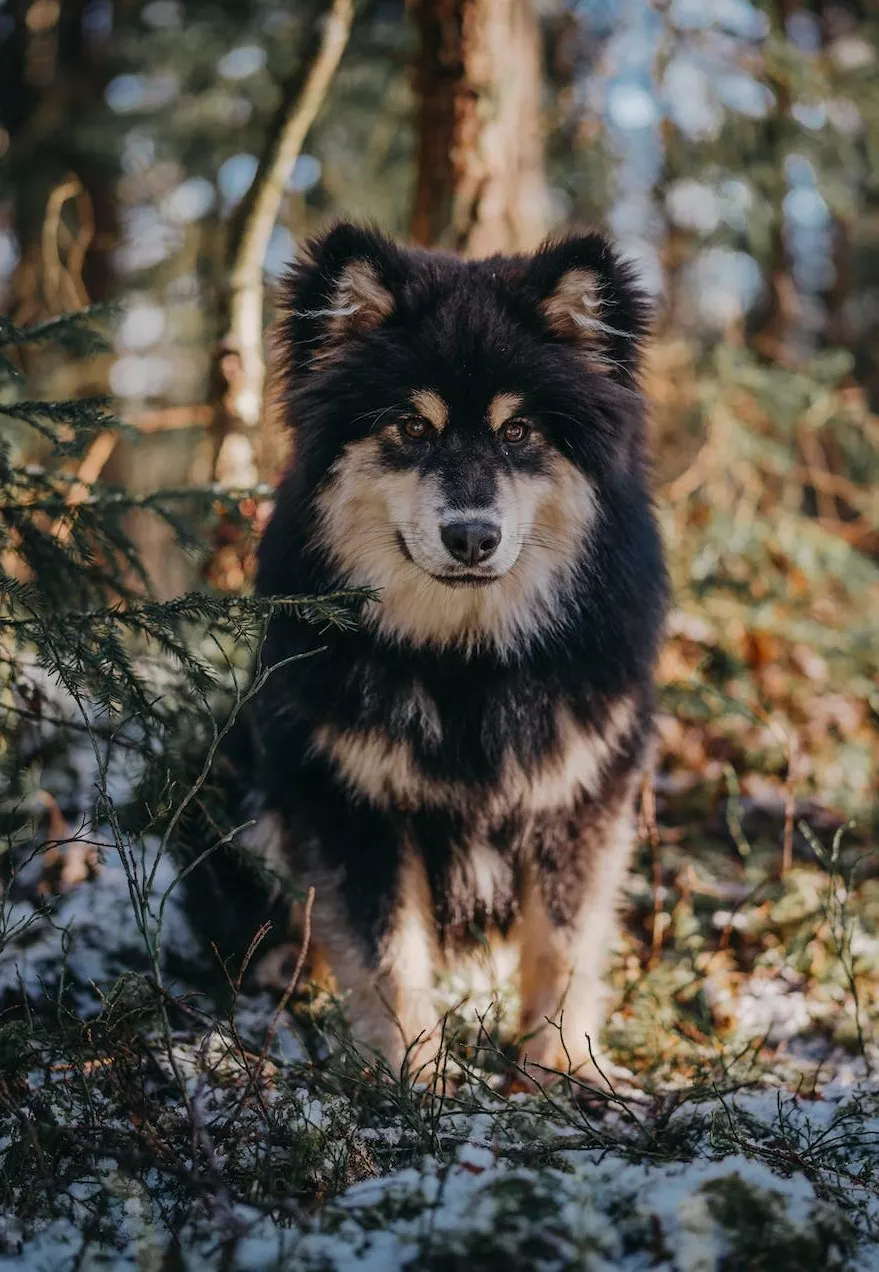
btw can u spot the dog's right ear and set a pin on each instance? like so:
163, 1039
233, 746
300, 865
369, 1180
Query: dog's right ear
343, 285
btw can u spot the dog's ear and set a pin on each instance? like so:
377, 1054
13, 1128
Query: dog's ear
342, 285
588, 297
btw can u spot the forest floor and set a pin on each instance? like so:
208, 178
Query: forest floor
156, 1115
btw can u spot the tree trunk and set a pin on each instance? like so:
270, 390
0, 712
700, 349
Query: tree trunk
238, 370
481, 184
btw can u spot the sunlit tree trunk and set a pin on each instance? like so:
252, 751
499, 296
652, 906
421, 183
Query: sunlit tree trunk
238, 369
481, 183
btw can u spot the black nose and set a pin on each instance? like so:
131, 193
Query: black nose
471, 541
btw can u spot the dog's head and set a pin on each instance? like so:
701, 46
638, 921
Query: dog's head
463, 428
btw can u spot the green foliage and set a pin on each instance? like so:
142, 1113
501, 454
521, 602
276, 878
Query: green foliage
73, 591
89, 661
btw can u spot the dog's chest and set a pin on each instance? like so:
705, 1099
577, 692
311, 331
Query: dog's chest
493, 751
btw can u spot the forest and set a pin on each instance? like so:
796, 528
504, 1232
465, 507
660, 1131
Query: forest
162, 163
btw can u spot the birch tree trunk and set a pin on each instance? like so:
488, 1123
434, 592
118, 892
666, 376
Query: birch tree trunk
238, 367
481, 184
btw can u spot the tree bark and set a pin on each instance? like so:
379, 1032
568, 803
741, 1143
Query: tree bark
238, 370
481, 185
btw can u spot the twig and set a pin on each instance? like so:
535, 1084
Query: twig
648, 810
257, 940
169, 418
816, 468
53, 270
834, 484
697, 471
291, 987
790, 803
83, 238
88, 472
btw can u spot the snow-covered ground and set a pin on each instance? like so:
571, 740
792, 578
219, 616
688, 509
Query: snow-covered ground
756, 1178
479, 1207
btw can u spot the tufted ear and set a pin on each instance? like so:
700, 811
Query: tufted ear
343, 285
587, 296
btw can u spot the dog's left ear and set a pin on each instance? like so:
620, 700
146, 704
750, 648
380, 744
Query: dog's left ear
588, 297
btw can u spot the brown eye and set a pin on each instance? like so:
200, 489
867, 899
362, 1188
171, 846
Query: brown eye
514, 431
415, 427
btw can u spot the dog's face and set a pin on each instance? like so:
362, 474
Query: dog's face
461, 494
462, 426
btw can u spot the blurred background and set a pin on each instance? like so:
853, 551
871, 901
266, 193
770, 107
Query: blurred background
171, 156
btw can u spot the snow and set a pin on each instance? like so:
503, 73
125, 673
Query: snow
593, 1208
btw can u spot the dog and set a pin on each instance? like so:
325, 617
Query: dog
470, 452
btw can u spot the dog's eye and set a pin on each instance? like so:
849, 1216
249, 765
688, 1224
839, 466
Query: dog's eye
415, 427
514, 431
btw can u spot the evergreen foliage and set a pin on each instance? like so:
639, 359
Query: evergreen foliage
164, 681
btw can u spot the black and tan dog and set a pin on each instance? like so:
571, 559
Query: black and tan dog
470, 445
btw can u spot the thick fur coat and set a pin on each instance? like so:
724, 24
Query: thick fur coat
469, 445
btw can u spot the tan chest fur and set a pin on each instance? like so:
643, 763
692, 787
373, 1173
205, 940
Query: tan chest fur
387, 773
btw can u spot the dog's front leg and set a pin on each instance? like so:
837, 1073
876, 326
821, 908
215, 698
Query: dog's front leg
569, 919
372, 922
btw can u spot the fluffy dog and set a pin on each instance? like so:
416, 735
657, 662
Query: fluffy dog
469, 446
